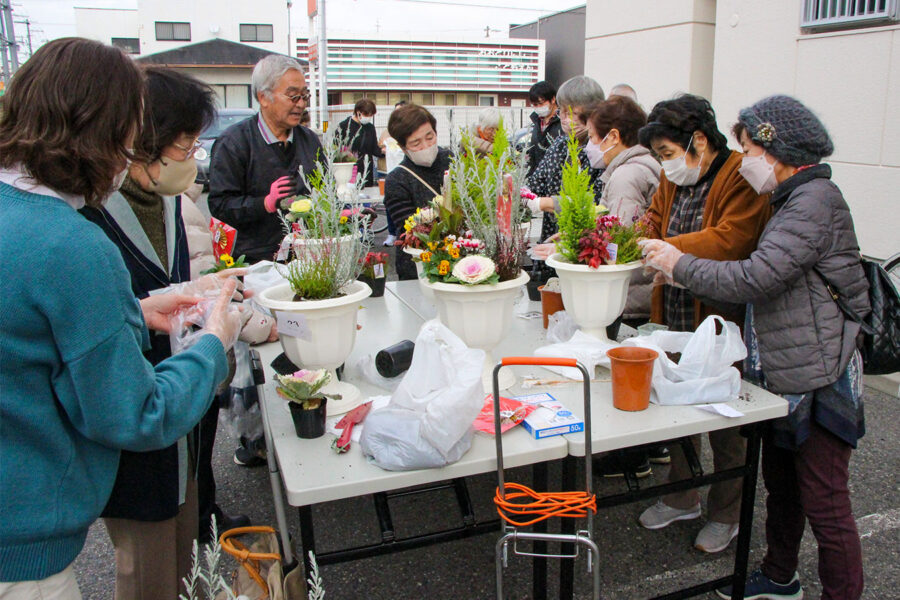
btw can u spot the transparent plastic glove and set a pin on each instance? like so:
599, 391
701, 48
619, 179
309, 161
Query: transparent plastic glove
281, 188
224, 321
660, 255
158, 310
534, 205
541, 251
661, 279
209, 286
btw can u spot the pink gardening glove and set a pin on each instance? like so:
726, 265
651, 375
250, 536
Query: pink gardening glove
281, 189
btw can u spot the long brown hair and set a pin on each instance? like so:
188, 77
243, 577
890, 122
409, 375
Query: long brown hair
69, 116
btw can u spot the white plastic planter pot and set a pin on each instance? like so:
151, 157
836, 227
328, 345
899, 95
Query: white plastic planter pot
326, 332
594, 298
420, 269
480, 315
342, 174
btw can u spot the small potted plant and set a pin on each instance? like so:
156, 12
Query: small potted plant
226, 262
303, 391
374, 272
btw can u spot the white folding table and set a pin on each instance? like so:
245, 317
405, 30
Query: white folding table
312, 473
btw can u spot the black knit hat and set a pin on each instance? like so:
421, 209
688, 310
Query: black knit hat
788, 130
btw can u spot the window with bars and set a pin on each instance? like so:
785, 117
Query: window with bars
251, 32
173, 32
129, 45
825, 14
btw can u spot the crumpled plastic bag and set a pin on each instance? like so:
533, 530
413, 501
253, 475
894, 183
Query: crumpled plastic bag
560, 327
588, 350
428, 422
704, 374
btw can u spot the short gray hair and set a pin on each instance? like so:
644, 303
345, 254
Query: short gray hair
489, 117
623, 89
269, 70
579, 92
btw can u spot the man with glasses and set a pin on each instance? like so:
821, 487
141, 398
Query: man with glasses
255, 163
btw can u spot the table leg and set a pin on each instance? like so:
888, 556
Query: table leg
567, 527
307, 536
748, 497
539, 564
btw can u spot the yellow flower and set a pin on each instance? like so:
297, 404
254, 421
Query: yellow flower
301, 206
425, 256
432, 246
343, 220
410, 223
226, 260
454, 252
444, 267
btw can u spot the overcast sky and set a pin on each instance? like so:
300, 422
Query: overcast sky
51, 19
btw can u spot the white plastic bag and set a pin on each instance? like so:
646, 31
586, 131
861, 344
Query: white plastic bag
433, 408
704, 373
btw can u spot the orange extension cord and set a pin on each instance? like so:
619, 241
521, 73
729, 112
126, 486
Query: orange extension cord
544, 504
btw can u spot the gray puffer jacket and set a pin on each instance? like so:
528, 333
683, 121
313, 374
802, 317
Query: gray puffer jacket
805, 341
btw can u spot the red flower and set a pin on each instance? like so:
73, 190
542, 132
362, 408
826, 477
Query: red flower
592, 248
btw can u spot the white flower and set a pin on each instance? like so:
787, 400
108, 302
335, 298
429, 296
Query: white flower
425, 216
473, 269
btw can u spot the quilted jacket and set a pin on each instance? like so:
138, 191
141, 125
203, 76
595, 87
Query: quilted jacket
805, 341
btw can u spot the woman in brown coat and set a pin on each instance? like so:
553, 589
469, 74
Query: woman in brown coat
706, 208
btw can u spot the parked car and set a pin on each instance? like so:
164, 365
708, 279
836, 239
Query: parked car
225, 119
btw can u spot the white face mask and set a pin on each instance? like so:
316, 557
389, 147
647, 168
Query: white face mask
424, 158
678, 172
120, 177
365, 120
596, 155
759, 173
542, 111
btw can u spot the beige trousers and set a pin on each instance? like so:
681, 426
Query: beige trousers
152, 557
61, 586
729, 450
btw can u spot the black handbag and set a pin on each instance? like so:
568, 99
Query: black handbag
880, 346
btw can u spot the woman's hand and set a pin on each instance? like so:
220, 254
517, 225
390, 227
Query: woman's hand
542, 251
660, 255
223, 323
215, 281
159, 309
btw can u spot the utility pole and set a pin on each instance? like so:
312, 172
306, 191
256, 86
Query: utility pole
27, 24
290, 52
323, 66
9, 47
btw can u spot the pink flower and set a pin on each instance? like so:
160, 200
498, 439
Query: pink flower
473, 269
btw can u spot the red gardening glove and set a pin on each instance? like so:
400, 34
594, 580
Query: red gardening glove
281, 189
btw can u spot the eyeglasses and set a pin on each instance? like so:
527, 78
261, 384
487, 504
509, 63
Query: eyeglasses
192, 150
297, 97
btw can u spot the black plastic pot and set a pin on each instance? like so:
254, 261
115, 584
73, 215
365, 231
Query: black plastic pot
392, 361
377, 285
309, 424
538, 278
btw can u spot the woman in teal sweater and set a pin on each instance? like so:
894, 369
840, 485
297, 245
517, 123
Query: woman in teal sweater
76, 387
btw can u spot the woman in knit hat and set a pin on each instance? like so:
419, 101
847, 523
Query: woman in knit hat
799, 343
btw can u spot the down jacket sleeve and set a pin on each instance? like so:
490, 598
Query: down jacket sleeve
793, 242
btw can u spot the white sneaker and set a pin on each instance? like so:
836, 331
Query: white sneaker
715, 537
661, 515
389, 240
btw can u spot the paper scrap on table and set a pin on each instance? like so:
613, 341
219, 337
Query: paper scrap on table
721, 409
377, 402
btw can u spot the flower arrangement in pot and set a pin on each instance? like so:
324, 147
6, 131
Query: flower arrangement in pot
374, 272
343, 158
596, 253
316, 308
306, 400
475, 275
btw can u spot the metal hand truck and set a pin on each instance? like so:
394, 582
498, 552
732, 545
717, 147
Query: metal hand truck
545, 505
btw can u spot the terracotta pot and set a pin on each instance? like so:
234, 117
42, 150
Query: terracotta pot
632, 370
551, 302
308, 423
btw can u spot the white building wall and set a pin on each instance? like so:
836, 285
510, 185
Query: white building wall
103, 24
659, 47
212, 19
209, 19
850, 78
